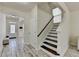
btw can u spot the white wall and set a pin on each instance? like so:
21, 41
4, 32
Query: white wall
2, 30
42, 20
27, 25
33, 27
21, 31
43, 16
74, 35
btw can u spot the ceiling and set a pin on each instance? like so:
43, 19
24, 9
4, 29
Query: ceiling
22, 6
72, 6
27, 6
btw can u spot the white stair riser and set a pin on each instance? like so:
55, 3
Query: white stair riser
52, 38
50, 42
53, 34
50, 54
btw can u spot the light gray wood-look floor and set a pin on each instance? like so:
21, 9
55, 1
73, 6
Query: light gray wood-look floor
16, 48
72, 52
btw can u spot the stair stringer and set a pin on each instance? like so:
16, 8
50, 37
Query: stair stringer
61, 43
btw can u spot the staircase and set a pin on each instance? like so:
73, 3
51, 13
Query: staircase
50, 43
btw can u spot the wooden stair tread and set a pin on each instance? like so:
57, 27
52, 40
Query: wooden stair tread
52, 45
50, 50
52, 36
51, 40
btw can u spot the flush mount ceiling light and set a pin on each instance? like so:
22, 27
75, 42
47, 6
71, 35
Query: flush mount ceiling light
14, 16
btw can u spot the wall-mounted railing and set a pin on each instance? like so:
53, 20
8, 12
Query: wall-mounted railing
45, 27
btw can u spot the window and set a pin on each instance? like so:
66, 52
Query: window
12, 28
57, 13
57, 19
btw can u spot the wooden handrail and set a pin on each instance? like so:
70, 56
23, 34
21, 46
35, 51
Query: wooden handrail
45, 27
